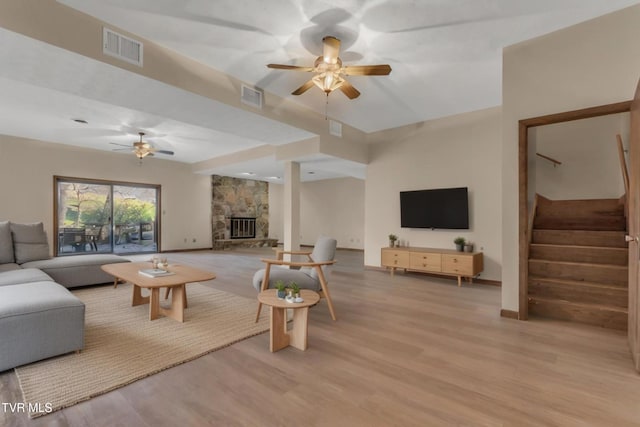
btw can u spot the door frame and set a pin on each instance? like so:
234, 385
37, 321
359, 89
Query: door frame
523, 184
157, 187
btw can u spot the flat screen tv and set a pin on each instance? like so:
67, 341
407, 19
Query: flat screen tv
445, 208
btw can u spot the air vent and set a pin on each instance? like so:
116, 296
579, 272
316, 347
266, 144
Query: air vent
121, 47
335, 128
250, 96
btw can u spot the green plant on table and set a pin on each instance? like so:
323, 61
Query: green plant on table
294, 287
280, 286
393, 237
459, 241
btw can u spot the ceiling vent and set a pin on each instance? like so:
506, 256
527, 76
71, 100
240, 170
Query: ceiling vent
121, 47
335, 128
250, 96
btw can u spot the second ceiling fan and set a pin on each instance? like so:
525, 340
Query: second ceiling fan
330, 74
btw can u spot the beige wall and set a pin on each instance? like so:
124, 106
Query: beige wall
331, 207
456, 151
588, 151
590, 64
27, 168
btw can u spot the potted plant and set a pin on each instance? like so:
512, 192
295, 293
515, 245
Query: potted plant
392, 240
468, 246
281, 289
459, 242
295, 289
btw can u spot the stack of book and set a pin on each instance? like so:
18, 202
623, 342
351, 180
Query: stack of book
155, 272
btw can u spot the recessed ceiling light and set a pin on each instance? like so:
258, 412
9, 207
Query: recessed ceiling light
84, 122
311, 172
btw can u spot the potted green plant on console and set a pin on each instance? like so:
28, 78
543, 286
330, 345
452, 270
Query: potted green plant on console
392, 240
459, 242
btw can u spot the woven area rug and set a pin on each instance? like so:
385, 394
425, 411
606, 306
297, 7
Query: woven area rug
122, 345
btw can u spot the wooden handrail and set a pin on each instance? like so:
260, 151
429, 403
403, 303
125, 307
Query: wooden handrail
625, 177
552, 160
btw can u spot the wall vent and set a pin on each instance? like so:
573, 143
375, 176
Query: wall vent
121, 47
251, 97
335, 128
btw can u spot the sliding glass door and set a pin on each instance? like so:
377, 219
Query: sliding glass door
105, 217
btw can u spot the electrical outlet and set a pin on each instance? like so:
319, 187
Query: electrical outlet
185, 240
194, 240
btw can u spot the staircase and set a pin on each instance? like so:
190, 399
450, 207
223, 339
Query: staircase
578, 262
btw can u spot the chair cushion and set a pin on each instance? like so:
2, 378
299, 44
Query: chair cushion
6, 243
324, 250
29, 242
303, 280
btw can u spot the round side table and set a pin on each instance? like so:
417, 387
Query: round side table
297, 336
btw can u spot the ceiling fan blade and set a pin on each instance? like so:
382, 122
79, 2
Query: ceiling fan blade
367, 70
350, 91
302, 89
122, 145
121, 149
330, 49
289, 67
167, 152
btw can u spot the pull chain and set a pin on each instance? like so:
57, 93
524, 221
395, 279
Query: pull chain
326, 107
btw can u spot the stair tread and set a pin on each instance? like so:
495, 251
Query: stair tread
613, 266
614, 248
579, 304
578, 283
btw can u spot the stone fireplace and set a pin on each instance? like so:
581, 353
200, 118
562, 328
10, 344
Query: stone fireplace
235, 200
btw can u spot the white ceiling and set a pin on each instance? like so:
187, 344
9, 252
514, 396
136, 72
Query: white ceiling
445, 56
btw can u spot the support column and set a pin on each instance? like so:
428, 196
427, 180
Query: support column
291, 207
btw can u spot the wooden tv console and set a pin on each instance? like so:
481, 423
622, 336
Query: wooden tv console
437, 261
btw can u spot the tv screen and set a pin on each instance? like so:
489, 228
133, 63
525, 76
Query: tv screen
439, 208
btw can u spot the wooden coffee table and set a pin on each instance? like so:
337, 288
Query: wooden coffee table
128, 272
297, 336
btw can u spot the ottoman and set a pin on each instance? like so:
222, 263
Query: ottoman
38, 320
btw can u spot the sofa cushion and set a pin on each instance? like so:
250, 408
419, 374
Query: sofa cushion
26, 275
38, 320
77, 270
9, 267
6, 243
29, 242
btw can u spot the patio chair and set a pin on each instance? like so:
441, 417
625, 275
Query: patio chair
312, 273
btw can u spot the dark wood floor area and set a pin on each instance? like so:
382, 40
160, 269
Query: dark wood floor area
406, 351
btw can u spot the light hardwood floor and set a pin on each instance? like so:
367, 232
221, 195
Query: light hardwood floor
406, 351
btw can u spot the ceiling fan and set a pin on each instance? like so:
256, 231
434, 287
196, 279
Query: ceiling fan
330, 74
141, 148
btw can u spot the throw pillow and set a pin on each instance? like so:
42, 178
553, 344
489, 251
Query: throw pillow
29, 242
6, 243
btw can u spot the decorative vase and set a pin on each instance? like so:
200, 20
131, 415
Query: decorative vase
392, 243
459, 248
282, 294
468, 248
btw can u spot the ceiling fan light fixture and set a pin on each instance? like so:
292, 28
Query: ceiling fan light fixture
328, 82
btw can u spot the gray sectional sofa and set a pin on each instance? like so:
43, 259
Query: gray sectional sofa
39, 317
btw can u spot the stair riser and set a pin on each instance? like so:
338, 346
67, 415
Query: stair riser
580, 238
616, 256
580, 294
586, 272
603, 318
603, 214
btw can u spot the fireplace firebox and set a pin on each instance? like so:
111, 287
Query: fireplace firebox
243, 228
